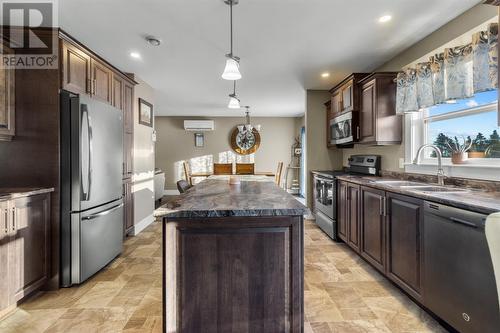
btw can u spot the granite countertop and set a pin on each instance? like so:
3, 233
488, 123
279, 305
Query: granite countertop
480, 201
216, 198
21, 192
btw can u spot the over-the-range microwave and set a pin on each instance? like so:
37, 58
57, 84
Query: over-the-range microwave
344, 129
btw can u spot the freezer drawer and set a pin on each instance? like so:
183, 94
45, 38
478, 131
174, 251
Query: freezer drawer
97, 239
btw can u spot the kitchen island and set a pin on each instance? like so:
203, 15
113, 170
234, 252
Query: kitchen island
233, 259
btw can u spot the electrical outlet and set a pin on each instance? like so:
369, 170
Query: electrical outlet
401, 163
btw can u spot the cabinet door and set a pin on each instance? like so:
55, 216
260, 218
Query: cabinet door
404, 242
101, 81
128, 215
28, 247
7, 101
336, 102
75, 69
342, 226
353, 234
4, 255
128, 145
347, 96
128, 107
117, 92
372, 226
368, 112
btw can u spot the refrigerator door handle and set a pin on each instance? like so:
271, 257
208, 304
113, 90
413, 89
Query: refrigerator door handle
86, 195
100, 214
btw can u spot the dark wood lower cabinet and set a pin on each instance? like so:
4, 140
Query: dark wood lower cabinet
24, 247
404, 245
353, 234
233, 274
389, 232
373, 226
128, 201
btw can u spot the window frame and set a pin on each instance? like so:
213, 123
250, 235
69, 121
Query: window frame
416, 135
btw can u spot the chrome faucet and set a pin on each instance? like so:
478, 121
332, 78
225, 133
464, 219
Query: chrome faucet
440, 172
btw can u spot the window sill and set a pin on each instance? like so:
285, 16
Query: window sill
474, 171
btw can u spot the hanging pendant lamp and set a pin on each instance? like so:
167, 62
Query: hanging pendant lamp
248, 127
234, 102
232, 69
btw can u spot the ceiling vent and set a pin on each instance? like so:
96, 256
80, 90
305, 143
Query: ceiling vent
199, 125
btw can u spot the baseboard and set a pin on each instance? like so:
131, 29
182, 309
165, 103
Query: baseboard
171, 192
143, 225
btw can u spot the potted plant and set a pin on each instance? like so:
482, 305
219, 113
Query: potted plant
478, 148
459, 151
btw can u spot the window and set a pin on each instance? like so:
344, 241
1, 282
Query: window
466, 122
472, 120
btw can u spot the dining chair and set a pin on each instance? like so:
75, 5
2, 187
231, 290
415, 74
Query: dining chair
279, 172
492, 230
187, 173
183, 186
223, 168
245, 168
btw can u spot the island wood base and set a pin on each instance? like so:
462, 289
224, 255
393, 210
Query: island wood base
233, 274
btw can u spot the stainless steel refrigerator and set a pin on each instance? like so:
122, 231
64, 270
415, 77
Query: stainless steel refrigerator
91, 186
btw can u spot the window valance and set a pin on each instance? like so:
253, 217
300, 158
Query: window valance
457, 73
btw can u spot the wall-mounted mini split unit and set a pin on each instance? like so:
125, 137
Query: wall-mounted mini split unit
199, 125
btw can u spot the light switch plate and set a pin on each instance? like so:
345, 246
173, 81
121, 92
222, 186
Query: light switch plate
401, 163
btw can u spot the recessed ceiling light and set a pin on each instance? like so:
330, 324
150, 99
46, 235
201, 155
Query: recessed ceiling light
385, 18
135, 55
326, 74
153, 40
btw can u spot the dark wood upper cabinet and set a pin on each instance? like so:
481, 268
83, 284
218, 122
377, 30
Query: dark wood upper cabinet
379, 124
353, 210
75, 71
373, 226
118, 90
405, 243
101, 81
7, 101
342, 223
346, 94
128, 107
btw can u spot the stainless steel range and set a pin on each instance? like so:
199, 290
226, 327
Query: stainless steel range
325, 190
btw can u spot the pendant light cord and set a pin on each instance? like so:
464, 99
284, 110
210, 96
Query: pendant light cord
234, 87
231, 23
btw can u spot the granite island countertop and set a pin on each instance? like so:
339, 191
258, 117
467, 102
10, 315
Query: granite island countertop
481, 201
216, 198
11, 193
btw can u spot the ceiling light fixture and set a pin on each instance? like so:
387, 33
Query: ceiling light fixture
326, 74
153, 40
234, 102
248, 127
231, 71
135, 55
385, 18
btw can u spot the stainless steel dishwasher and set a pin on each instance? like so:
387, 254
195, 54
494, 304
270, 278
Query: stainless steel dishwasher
459, 282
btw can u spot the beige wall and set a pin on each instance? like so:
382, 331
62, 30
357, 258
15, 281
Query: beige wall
176, 145
453, 29
318, 156
144, 162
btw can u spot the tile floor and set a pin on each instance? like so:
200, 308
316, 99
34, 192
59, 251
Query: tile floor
342, 294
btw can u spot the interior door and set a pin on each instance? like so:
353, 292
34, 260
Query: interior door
101, 151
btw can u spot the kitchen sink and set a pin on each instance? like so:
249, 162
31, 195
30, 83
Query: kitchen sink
399, 183
435, 189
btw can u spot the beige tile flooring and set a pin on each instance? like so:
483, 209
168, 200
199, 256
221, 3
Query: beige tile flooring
342, 294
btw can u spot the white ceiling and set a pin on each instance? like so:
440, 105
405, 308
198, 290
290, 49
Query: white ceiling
284, 45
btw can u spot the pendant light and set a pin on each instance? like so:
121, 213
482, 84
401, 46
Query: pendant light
231, 71
234, 102
248, 127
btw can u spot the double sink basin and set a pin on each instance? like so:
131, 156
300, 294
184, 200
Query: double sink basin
420, 187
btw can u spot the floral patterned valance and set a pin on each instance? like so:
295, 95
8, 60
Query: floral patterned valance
457, 73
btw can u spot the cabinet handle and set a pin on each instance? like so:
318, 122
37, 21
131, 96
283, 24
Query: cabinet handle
6, 223
13, 219
357, 132
381, 206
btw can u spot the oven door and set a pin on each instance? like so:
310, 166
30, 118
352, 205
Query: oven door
325, 196
341, 129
